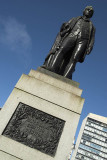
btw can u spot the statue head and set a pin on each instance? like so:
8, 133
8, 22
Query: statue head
88, 11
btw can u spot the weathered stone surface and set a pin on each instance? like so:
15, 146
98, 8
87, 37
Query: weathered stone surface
57, 76
61, 104
59, 82
50, 93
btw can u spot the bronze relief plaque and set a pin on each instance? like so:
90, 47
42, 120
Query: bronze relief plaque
35, 129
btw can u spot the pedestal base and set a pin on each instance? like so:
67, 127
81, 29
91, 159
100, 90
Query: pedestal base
40, 117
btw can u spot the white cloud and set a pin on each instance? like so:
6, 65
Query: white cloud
15, 36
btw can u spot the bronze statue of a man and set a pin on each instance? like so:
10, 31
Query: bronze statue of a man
74, 41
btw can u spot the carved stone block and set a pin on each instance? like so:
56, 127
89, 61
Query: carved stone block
35, 129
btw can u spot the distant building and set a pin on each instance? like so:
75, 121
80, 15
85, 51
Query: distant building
92, 140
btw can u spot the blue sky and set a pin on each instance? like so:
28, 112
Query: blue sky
27, 31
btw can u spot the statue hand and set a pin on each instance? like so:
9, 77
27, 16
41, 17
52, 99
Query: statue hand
65, 26
65, 30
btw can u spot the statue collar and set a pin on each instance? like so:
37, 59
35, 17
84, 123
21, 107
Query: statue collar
86, 19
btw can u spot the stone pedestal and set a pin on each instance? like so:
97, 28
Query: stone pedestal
40, 117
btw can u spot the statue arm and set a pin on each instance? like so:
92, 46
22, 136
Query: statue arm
65, 28
91, 43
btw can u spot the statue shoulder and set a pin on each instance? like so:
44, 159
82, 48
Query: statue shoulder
74, 19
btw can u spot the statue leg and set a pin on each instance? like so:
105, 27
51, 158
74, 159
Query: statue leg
70, 69
66, 46
48, 61
78, 52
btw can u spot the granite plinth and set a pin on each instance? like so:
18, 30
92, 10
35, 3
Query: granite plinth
45, 123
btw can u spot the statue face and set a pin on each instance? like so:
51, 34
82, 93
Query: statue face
88, 12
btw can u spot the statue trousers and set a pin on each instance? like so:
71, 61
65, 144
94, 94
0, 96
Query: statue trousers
73, 45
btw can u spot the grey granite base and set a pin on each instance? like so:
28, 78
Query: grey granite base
40, 117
